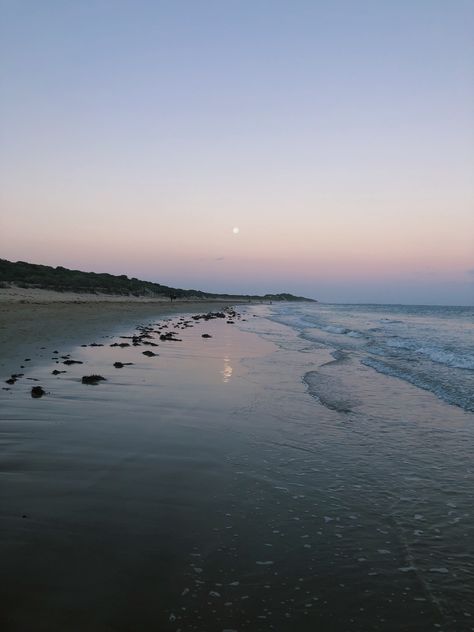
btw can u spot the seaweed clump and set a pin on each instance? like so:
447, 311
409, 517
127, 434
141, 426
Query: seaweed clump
92, 379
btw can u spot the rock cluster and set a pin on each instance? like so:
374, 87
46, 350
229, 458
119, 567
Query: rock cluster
92, 379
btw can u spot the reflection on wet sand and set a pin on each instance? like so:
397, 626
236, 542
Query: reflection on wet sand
226, 371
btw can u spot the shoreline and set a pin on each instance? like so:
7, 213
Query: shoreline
33, 330
205, 482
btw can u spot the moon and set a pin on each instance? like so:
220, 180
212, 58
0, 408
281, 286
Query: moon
236, 230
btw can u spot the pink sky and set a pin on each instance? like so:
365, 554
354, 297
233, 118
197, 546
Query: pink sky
343, 153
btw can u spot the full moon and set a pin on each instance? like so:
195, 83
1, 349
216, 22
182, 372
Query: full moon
236, 230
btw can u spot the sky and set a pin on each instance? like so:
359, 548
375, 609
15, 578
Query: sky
337, 136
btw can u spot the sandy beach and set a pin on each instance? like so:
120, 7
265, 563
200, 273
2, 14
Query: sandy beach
233, 473
82, 519
31, 319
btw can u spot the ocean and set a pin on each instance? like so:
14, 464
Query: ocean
306, 467
431, 347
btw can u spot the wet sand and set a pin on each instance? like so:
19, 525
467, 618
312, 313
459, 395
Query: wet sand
105, 489
210, 488
44, 319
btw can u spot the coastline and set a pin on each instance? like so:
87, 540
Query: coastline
240, 477
34, 322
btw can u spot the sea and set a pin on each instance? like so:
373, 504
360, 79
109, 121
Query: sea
429, 346
302, 467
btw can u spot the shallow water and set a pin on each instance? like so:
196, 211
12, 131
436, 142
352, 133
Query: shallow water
429, 346
257, 480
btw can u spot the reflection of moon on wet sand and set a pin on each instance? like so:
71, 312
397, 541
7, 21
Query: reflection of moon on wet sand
227, 371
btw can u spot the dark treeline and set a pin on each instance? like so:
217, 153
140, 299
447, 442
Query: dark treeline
59, 279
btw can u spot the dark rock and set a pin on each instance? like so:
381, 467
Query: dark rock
72, 362
92, 379
209, 316
150, 354
37, 391
10, 381
56, 372
120, 365
206, 336
170, 336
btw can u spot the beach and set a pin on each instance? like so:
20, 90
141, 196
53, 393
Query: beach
35, 318
259, 478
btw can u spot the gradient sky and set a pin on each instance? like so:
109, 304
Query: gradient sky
337, 135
